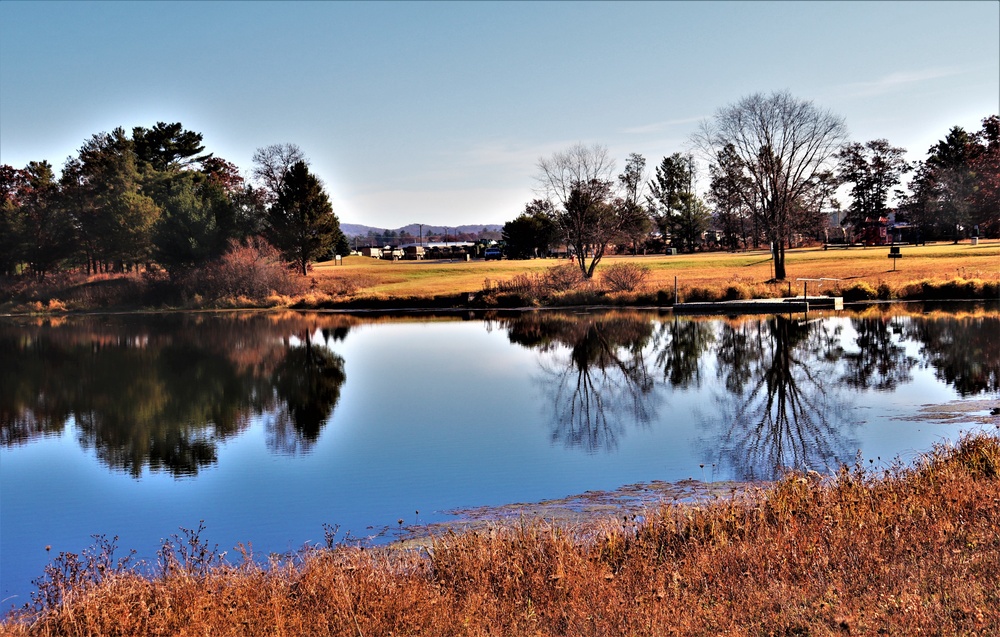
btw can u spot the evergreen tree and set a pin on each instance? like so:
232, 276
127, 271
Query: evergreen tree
301, 222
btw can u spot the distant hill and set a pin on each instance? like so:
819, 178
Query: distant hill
359, 230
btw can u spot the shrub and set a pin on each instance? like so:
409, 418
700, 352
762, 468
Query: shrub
563, 277
253, 271
884, 292
860, 291
625, 276
737, 292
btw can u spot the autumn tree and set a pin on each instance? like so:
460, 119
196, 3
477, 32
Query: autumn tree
873, 169
301, 222
985, 198
783, 143
943, 186
11, 180
580, 183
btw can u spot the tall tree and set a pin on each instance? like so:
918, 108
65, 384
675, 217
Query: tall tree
532, 232
270, 164
45, 232
116, 216
782, 144
986, 165
301, 222
636, 223
579, 182
943, 186
168, 146
679, 213
874, 169
12, 185
732, 214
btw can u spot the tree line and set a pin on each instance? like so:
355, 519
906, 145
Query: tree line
156, 198
775, 163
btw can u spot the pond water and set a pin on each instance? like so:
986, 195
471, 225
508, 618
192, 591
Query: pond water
269, 426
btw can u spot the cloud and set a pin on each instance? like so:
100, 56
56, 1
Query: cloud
895, 81
657, 127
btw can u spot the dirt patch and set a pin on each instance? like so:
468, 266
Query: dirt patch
974, 412
583, 512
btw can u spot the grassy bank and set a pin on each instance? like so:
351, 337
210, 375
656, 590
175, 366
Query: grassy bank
893, 550
942, 271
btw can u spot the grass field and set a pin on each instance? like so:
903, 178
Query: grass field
933, 272
363, 277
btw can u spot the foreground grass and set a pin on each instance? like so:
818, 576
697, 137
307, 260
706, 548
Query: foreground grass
899, 550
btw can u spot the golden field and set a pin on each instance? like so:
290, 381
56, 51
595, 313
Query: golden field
362, 278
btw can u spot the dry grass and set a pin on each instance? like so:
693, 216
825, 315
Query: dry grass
925, 272
896, 550
703, 276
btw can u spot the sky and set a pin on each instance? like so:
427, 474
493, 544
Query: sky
438, 112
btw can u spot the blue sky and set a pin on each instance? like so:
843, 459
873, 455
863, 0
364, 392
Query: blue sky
437, 113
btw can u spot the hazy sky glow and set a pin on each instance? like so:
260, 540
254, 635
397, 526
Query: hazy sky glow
438, 112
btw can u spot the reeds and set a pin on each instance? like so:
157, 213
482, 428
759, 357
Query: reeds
900, 550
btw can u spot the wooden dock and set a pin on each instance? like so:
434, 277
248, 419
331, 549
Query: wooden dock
790, 305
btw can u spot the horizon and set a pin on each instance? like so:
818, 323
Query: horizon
441, 110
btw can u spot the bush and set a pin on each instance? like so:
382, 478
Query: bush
563, 277
252, 271
860, 291
625, 277
737, 292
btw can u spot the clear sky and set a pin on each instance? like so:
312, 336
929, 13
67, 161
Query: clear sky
437, 113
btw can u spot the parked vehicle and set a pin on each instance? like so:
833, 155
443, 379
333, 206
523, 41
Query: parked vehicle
492, 253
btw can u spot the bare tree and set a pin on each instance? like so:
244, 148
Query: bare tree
270, 164
783, 145
580, 182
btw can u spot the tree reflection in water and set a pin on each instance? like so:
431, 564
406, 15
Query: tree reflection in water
965, 354
680, 345
881, 362
162, 392
594, 373
780, 409
307, 384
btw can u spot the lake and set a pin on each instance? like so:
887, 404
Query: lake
268, 426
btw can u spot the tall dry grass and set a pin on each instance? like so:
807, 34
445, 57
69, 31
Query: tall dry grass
899, 550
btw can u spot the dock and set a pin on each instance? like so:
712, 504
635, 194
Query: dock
790, 305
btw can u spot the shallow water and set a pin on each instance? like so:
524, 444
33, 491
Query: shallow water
268, 426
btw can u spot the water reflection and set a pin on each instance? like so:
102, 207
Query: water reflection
881, 361
680, 347
594, 373
159, 393
965, 354
785, 390
778, 410
162, 392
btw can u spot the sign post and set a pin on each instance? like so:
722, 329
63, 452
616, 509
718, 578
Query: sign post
894, 254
